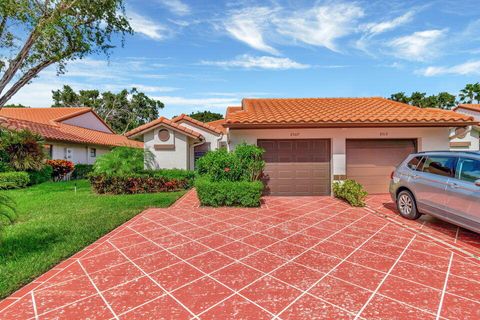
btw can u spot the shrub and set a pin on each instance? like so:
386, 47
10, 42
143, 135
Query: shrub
14, 179
60, 168
148, 182
243, 164
40, 176
22, 150
174, 174
123, 160
351, 191
81, 171
228, 193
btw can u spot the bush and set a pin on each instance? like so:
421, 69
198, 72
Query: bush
122, 161
148, 182
22, 150
351, 191
228, 193
243, 164
81, 171
40, 176
14, 180
186, 176
60, 168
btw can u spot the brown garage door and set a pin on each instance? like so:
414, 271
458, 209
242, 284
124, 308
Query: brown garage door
370, 162
297, 167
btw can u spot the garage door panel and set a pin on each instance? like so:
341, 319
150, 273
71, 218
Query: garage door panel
297, 167
370, 162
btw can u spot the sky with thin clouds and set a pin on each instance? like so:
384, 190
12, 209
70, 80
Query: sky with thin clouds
197, 55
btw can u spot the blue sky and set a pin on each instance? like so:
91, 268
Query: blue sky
197, 55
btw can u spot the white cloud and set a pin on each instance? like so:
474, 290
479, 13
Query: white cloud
249, 25
177, 7
200, 103
264, 62
419, 46
467, 68
152, 89
384, 26
321, 25
148, 27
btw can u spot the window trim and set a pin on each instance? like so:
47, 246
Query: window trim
94, 151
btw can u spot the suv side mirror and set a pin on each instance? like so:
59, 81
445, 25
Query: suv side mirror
477, 182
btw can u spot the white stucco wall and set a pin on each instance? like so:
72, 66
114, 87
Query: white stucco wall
79, 154
472, 136
175, 158
428, 138
88, 120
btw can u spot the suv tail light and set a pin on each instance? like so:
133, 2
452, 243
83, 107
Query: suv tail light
392, 174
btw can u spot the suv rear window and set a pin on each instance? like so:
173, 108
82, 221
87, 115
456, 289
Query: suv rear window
416, 163
468, 169
440, 165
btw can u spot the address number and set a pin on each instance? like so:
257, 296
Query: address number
294, 134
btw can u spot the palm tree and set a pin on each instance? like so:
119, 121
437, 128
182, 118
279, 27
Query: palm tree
471, 93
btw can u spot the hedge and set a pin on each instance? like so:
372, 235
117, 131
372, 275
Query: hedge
350, 191
228, 193
14, 179
40, 176
146, 182
81, 171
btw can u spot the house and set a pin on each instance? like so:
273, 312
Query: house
178, 142
466, 138
311, 142
75, 134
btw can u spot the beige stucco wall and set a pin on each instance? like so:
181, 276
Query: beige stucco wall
428, 138
79, 154
175, 158
88, 120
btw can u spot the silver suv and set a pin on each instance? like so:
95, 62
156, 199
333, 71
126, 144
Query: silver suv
444, 184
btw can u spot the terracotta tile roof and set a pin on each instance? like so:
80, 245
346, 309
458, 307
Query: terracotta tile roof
64, 132
469, 106
184, 117
43, 115
166, 122
335, 112
218, 124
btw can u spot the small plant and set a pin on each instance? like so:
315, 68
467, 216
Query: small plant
250, 161
123, 160
60, 168
14, 180
350, 191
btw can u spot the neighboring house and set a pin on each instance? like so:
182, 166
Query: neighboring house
466, 138
311, 142
178, 142
75, 134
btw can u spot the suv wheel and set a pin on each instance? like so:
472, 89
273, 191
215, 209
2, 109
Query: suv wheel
406, 205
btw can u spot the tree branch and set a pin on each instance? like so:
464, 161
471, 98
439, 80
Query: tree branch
2, 25
32, 73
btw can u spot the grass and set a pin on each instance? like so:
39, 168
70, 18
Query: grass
54, 222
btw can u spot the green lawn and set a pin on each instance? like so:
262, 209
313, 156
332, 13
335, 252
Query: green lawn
54, 222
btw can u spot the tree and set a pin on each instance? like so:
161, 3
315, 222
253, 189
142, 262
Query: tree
400, 97
37, 34
206, 116
470, 94
122, 111
445, 100
417, 98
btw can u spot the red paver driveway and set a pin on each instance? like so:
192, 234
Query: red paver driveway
294, 258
